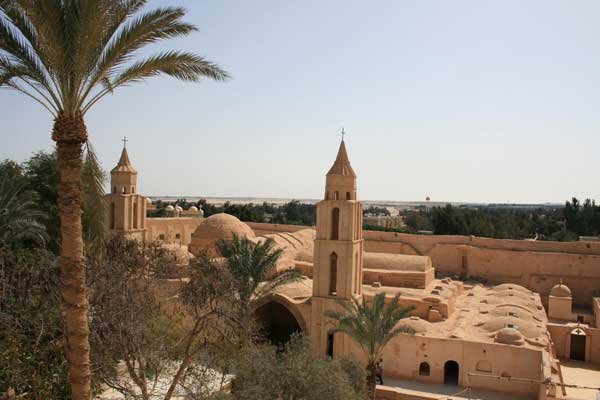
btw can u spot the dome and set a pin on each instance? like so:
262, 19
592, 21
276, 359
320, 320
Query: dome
178, 208
509, 336
148, 200
170, 208
215, 227
193, 208
560, 290
528, 328
416, 324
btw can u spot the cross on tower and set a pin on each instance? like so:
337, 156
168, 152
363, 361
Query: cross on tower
343, 134
124, 140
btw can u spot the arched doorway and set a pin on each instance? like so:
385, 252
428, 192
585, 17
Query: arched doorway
451, 370
578, 345
277, 323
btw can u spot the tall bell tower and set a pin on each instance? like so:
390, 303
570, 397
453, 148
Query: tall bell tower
338, 253
126, 208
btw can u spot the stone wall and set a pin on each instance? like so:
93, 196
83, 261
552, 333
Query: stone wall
175, 230
537, 265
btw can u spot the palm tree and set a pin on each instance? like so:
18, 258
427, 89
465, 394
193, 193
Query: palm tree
67, 55
20, 217
372, 326
252, 267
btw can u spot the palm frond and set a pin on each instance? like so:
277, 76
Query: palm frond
371, 325
94, 204
20, 217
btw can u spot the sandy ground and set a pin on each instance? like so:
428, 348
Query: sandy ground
444, 391
582, 374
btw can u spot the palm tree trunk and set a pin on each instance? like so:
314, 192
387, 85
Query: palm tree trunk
70, 134
371, 380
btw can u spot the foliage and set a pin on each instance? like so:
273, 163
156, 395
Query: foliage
31, 329
157, 340
41, 172
377, 211
94, 205
20, 216
252, 267
371, 325
69, 55
261, 372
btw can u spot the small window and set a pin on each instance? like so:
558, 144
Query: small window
133, 189
114, 189
348, 196
336, 196
161, 236
424, 369
330, 342
177, 236
580, 319
333, 258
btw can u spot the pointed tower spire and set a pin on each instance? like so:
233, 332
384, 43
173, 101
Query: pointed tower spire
340, 181
342, 166
124, 165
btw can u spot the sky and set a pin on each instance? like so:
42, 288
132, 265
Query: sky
466, 100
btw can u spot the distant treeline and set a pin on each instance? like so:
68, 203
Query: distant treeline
559, 223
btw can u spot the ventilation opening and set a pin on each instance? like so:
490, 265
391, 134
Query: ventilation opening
335, 224
330, 342
424, 369
333, 274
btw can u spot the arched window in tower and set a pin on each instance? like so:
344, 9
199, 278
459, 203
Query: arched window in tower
348, 196
335, 224
135, 215
333, 274
336, 195
112, 215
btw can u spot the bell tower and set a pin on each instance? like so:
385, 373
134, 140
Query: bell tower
126, 208
338, 252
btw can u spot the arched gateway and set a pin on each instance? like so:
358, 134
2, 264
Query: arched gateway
279, 320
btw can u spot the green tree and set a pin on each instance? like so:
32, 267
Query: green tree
164, 340
372, 326
41, 171
253, 268
20, 216
262, 372
67, 55
32, 358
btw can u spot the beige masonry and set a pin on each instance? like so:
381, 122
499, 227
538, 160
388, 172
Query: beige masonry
495, 336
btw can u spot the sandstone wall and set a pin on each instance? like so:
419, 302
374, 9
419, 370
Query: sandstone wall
537, 265
170, 228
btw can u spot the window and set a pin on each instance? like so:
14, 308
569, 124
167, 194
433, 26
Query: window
580, 319
114, 189
424, 369
112, 215
333, 274
135, 216
330, 341
348, 197
177, 236
336, 196
133, 189
335, 224
161, 236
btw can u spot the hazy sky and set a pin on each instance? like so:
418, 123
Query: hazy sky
458, 100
